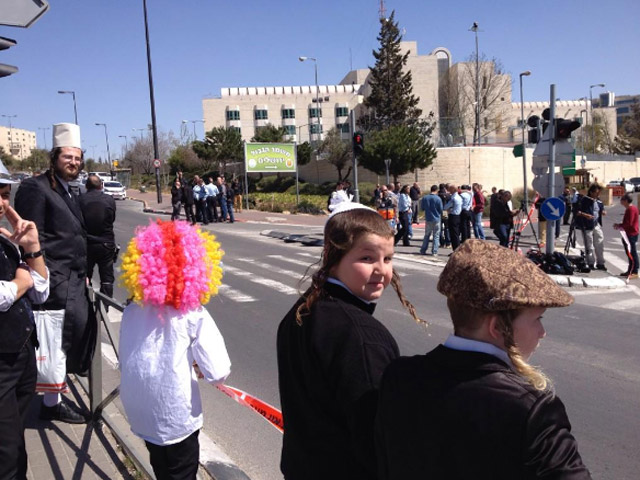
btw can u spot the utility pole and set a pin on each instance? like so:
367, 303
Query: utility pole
552, 166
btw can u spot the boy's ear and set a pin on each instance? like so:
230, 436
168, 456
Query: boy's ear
491, 323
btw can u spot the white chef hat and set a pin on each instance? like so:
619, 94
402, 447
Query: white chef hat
66, 135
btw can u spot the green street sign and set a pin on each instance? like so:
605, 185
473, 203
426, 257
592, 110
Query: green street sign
270, 157
518, 151
571, 169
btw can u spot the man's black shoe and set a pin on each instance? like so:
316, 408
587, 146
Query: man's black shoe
601, 266
63, 412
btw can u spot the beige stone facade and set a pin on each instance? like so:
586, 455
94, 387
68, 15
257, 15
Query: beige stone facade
17, 141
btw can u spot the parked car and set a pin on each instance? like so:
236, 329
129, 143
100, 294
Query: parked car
78, 186
104, 176
636, 183
628, 186
115, 189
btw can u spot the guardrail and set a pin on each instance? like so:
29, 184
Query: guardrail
93, 387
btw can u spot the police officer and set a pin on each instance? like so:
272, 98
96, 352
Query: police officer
99, 210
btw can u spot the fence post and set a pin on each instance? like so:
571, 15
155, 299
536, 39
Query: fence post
95, 373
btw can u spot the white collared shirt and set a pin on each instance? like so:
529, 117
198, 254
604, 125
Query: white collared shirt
37, 294
158, 385
468, 345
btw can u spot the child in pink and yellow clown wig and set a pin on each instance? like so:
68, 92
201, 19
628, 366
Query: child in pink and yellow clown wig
170, 269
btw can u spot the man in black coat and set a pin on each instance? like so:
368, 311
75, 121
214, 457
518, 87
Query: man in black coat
99, 211
473, 408
47, 201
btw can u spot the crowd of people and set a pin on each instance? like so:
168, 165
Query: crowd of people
214, 201
353, 407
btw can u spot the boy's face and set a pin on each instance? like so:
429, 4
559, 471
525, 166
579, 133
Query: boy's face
528, 330
5, 195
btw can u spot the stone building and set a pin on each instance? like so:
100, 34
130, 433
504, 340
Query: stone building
17, 142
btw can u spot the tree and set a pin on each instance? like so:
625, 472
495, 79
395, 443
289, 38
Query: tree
628, 139
7, 159
270, 134
303, 153
183, 158
390, 101
139, 157
460, 91
220, 146
38, 160
407, 146
337, 151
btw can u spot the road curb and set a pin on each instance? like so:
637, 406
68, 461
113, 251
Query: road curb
567, 281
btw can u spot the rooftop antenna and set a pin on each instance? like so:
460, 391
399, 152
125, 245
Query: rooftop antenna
382, 11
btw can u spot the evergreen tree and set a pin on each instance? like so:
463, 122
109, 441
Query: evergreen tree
391, 101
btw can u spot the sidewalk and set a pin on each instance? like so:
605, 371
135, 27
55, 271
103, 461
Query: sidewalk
60, 450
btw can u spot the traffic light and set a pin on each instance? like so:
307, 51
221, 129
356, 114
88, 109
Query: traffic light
533, 135
564, 129
6, 70
358, 143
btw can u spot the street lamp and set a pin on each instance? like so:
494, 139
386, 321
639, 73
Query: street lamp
126, 143
475, 30
195, 135
106, 136
44, 135
75, 109
139, 130
315, 68
11, 132
593, 139
526, 73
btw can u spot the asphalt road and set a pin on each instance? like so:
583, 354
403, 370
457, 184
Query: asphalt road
591, 350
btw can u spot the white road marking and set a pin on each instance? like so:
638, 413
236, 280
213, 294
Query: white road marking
291, 260
271, 268
235, 295
267, 282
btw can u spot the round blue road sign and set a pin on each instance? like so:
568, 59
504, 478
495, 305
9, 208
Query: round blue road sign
553, 208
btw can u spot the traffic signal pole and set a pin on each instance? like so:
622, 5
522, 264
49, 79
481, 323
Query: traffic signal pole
552, 166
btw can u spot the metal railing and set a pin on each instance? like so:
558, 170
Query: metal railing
97, 400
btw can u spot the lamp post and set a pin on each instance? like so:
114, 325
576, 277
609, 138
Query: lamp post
526, 73
156, 154
106, 136
474, 29
44, 135
195, 135
126, 143
139, 130
11, 131
387, 164
75, 108
582, 133
593, 135
315, 67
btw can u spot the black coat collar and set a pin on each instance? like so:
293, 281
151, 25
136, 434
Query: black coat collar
336, 291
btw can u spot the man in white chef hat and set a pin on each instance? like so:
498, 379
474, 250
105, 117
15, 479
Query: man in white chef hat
48, 201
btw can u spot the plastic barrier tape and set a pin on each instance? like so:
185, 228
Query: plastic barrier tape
270, 413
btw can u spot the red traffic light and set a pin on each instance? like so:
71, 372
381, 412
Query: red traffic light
358, 139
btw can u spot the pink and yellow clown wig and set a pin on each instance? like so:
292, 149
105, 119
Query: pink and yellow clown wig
172, 263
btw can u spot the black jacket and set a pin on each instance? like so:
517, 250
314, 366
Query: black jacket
99, 211
16, 324
329, 371
63, 236
459, 415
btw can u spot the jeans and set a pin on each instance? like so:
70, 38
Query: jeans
431, 228
478, 231
223, 208
403, 230
230, 211
594, 245
632, 253
502, 232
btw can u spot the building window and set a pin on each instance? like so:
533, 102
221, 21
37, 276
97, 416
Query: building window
288, 113
233, 114
342, 112
290, 129
315, 128
314, 112
343, 127
261, 115
235, 129
623, 110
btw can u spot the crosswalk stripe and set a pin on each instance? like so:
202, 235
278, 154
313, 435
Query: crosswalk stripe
271, 268
235, 295
291, 260
280, 287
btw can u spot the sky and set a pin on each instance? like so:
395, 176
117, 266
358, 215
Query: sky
97, 49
